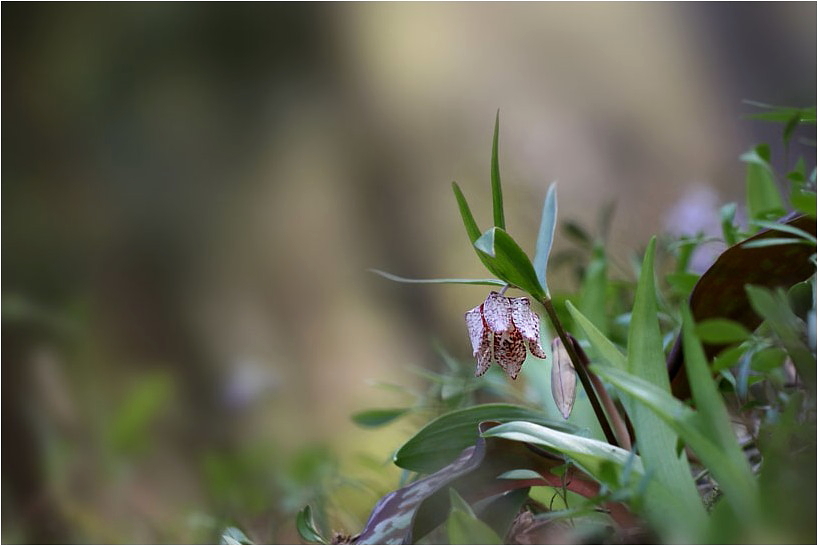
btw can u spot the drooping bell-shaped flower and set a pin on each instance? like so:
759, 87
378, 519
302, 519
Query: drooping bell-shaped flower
499, 329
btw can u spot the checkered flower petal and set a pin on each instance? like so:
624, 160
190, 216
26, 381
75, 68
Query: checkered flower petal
497, 312
480, 342
509, 350
500, 330
528, 323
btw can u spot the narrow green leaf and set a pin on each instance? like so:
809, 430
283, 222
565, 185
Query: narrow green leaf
774, 308
378, 417
768, 359
465, 213
545, 237
786, 228
442, 439
728, 227
775, 241
740, 493
306, 527
594, 457
656, 440
508, 261
763, 198
471, 226
604, 347
719, 330
396, 278
592, 300
714, 417
496, 188
728, 357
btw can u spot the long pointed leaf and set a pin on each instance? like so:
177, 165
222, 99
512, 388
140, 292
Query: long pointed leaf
545, 237
601, 344
656, 440
593, 456
396, 278
714, 417
465, 212
741, 495
496, 188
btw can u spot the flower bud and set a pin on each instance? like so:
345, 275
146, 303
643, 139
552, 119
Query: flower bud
563, 378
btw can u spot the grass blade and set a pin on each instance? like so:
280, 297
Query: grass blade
496, 188
545, 238
656, 440
396, 278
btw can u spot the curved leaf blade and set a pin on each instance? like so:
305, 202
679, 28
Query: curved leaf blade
496, 187
688, 425
594, 457
508, 261
397, 278
545, 237
657, 440
442, 439
306, 527
373, 418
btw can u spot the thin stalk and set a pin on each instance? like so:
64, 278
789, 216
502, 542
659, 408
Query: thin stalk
619, 425
582, 372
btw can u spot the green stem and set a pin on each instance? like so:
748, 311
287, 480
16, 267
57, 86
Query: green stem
582, 371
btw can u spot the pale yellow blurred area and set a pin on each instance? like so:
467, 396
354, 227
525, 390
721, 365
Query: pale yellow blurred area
194, 194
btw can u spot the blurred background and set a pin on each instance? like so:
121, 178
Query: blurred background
193, 195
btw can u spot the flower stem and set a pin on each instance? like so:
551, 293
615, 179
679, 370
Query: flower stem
582, 371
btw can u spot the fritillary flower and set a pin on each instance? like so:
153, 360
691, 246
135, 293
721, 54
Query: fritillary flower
499, 329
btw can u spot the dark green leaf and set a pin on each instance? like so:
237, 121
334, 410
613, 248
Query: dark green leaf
763, 198
378, 417
444, 438
768, 359
727, 358
496, 187
508, 261
391, 277
774, 308
728, 227
545, 237
804, 202
307, 528
576, 232
471, 226
718, 330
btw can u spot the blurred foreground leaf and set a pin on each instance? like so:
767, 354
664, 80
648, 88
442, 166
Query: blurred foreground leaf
442, 439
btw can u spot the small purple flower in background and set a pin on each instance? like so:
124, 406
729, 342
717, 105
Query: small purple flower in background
500, 328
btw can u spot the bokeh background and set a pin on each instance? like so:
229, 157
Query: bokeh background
192, 194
